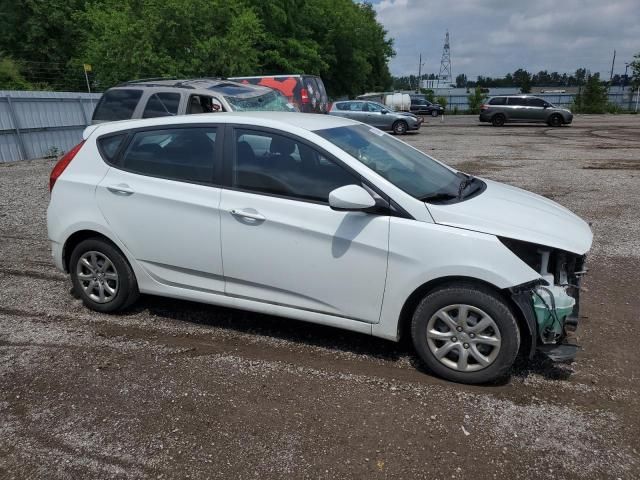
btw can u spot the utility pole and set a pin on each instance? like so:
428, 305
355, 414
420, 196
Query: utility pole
613, 62
419, 73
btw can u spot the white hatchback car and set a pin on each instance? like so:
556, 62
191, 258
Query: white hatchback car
322, 219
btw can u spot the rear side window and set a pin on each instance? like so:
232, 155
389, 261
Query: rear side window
118, 104
162, 104
517, 101
498, 101
110, 145
183, 154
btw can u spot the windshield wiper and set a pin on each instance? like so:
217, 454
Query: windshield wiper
464, 183
434, 197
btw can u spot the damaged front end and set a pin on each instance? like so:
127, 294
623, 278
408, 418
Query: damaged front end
550, 305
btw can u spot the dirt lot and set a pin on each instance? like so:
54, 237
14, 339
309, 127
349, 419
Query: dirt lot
181, 390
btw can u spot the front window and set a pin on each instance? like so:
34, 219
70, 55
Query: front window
270, 101
407, 168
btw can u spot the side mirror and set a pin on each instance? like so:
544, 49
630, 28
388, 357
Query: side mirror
384, 111
546, 105
351, 198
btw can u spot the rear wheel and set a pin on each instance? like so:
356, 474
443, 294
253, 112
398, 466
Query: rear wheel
400, 127
555, 120
498, 120
465, 333
102, 277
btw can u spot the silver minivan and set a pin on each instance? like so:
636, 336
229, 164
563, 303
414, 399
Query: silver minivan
523, 108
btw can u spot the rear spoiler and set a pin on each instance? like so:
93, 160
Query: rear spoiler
88, 131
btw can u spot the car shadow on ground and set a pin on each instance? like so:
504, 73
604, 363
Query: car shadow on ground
321, 336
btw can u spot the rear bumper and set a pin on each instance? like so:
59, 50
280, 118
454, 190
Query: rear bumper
485, 117
56, 254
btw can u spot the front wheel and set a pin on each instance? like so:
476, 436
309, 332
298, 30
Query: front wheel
400, 127
102, 277
434, 113
555, 120
465, 333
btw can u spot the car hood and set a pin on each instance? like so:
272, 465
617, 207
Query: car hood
511, 212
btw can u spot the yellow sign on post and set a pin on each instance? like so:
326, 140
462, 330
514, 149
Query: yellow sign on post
87, 67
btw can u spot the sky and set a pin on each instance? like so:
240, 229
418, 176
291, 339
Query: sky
495, 37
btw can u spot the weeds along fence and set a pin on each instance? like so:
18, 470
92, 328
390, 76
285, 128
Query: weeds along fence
41, 124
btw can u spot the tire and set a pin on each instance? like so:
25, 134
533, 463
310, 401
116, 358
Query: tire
498, 120
434, 113
555, 120
490, 335
114, 286
400, 127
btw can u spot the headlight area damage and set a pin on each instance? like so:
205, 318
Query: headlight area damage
551, 304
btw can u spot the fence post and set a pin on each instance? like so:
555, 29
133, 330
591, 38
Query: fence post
84, 114
16, 127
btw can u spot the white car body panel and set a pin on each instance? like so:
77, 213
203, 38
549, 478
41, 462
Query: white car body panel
171, 228
351, 270
511, 212
304, 255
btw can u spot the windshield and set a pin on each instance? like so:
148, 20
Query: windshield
270, 101
407, 168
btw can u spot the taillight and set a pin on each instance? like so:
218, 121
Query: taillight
304, 95
62, 164
329, 106
484, 107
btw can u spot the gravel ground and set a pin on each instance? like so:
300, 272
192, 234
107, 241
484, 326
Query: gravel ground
182, 390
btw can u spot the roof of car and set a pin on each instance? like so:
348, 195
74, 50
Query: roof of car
516, 95
281, 120
228, 87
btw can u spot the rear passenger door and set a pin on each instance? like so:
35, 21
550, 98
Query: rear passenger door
161, 198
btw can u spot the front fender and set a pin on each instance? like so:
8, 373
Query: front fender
420, 253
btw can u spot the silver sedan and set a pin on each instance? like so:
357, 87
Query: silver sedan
377, 115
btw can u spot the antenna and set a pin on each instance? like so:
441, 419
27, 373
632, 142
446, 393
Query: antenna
445, 77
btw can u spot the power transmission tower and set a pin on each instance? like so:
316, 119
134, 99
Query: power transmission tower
445, 77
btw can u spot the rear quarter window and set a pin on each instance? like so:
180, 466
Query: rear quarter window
110, 145
118, 104
498, 101
162, 104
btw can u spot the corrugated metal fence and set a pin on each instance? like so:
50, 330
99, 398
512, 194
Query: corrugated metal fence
40, 124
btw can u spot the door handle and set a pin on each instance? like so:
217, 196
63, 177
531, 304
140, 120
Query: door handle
246, 214
120, 189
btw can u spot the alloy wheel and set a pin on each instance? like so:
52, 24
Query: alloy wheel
98, 276
463, 338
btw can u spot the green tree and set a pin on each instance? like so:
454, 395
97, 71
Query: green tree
593, 98
635, 71
10, 76
461, 80
442, 101
147, 38
475, 99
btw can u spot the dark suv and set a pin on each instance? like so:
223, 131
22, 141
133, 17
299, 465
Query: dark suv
523, 108
422, 106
